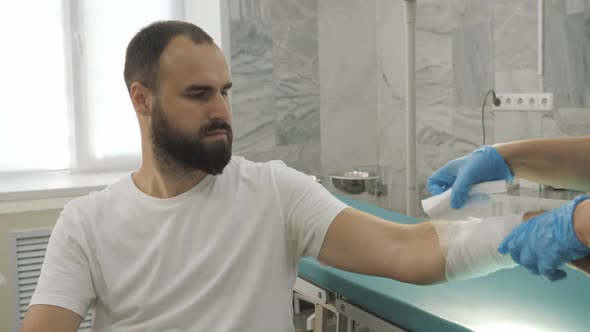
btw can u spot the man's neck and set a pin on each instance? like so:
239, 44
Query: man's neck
157, 182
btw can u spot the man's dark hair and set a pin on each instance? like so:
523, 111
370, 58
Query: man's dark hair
146, 47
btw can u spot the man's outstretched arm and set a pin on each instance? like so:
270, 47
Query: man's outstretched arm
363, 243
423, 253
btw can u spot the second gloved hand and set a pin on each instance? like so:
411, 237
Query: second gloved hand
546, 242
483, 164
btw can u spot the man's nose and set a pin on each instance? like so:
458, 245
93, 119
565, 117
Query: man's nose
219, 107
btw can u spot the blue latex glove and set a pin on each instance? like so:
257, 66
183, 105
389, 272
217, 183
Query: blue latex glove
483, 164
546, 242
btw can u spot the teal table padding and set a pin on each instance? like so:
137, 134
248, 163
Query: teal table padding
507, 300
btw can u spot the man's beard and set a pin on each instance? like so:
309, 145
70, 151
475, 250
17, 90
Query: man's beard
181, 154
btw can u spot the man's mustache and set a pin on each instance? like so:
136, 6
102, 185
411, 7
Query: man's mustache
215, 125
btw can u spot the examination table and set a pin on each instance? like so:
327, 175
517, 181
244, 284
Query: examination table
507, 300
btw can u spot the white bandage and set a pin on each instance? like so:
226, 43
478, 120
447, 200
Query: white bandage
439, 206
471, 246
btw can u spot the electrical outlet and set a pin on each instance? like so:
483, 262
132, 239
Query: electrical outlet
535, 102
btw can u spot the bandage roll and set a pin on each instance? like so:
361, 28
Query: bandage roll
470, 246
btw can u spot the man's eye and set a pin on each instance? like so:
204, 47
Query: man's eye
224, 92
199, 95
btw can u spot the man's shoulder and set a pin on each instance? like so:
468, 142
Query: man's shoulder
275, 171
88, 204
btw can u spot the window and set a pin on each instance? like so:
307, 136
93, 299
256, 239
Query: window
104, 29
35, 132
63, 100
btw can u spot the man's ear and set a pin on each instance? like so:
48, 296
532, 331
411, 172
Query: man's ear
141, 97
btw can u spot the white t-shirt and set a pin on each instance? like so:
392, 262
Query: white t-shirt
221, 257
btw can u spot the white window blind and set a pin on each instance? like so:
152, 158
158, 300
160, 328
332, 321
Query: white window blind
34, 123
105, 29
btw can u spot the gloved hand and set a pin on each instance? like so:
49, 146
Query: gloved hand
546, 242
483, 164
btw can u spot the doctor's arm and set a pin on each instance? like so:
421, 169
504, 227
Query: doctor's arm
559, 162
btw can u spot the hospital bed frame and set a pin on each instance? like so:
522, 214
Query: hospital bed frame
348, 316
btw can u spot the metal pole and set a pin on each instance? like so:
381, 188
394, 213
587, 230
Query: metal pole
411, 183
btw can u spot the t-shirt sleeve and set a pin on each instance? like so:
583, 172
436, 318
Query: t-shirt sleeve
65, 279
308, 208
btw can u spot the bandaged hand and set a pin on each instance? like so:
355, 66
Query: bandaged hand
483, 164
546, 242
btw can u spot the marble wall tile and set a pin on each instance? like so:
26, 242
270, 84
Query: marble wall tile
244, 10
473, 63
435, 24
434, 69
555, 7
295, 48
434, 124
576, 6
298, 118
470, 12
294, 9
296, 80
467, 128
564, 51
390, 33
515, 34
254, 122
560, 7
513, 125
348, 136
391, 130
395, 181
391, 139
519, 80
566, 123
436, 15
252, 96
251, 54
347, 50
303, 157
390, 51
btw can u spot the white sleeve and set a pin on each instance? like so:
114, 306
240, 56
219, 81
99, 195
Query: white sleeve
65, 279
308, 208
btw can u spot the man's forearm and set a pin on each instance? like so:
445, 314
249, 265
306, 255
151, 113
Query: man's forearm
423, 260
562, 163
439, 251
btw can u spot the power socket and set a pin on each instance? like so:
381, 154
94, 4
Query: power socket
535, 102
